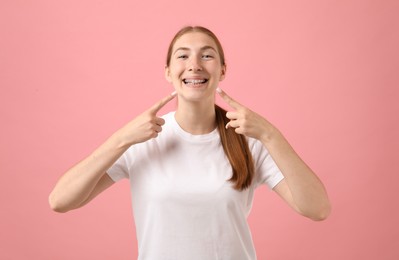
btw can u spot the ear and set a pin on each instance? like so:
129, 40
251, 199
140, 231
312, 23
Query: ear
167, 74
223, 72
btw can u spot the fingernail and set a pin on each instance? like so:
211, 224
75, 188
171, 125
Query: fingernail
227, 126
219, 90
174, 93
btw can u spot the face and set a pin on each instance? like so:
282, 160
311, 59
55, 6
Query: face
195, 68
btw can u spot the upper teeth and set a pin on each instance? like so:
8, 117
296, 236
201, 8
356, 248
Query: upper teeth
194, 81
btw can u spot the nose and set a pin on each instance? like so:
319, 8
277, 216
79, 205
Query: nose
194, 65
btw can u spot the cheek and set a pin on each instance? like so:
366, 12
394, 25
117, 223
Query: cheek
176, 65
176, 72
217, 73
175, 75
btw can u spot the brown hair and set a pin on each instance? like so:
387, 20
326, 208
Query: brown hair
234, 145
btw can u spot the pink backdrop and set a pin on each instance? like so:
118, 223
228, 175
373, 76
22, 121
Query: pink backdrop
324, 72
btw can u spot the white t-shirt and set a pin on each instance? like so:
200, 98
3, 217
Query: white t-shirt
184, 207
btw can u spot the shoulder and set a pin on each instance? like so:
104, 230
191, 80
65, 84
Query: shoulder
170, 121
255, 146
169, 115
169, 118
258, 150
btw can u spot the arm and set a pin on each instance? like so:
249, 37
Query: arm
300, 188
88, 178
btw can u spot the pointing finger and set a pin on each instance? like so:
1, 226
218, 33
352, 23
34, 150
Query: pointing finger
155, 108
231, 102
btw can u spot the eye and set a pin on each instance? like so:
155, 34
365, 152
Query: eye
182, 56
207, 56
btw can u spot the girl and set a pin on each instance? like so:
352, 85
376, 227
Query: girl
193, 172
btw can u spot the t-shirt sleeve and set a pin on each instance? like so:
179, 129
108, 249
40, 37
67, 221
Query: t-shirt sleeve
119, 170
266, 170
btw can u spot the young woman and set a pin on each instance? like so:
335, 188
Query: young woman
193, 172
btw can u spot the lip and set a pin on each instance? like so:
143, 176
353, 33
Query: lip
195, 77
195, 86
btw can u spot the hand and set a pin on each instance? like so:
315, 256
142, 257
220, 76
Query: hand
146, 125
246, 122
300, 188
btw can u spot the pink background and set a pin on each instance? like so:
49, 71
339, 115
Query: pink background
324, 72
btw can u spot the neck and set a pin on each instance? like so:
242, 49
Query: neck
196, 117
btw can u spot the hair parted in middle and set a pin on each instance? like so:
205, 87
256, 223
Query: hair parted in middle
234, 145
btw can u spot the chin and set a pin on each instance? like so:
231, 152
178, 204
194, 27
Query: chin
197, 96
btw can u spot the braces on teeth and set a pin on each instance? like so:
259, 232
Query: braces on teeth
195, 81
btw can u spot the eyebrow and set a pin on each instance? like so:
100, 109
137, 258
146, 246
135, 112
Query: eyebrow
187, 49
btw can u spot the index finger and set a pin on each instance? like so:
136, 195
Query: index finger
230, 101
160, 104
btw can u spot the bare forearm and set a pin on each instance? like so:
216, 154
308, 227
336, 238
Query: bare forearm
308, 192
84, 181
305, 192
78, 182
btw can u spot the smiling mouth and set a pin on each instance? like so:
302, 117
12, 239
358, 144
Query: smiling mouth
194, 81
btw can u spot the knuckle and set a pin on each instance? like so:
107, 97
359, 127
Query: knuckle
149, 128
